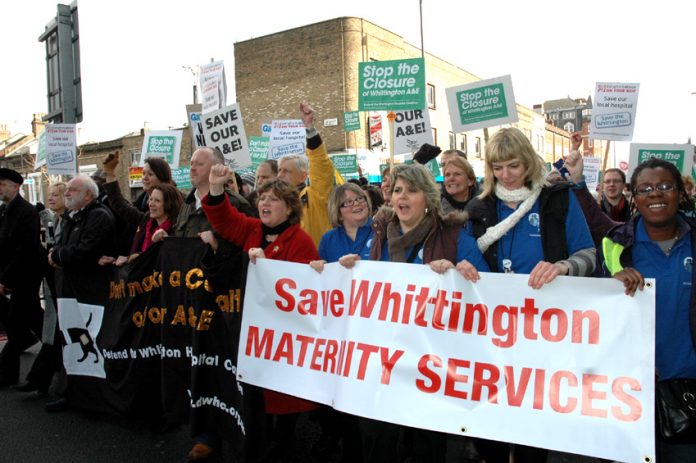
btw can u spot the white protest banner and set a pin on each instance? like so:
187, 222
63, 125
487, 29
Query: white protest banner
61, 149
482, 104
681, 156
213, 85
412, 130
193, 112
591, 168
224, 129
614, 111
569, 367
163, 144
287, 137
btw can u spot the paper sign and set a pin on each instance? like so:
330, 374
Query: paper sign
412, 130
396, 85
345, 163
164, 144
41, 152
614, 111
681, 156
482, 104
181, 176
213, 86
287, 137
375, 130
351, 121
61, 149
195, 125
591, 169
258, 150
224, 129
569, 367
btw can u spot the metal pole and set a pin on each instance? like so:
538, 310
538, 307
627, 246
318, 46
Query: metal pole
421, 29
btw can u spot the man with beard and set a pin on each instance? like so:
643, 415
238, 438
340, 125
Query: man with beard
88, 234
22, 261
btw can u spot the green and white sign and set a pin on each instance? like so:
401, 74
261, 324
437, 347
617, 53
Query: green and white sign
681, 156
482, 104
182, 177
351, 121
258, 150
396, 85
41, 152
345, 163
165, 144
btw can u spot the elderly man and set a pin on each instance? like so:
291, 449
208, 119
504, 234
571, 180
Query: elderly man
22, 261
317, 166
88, 234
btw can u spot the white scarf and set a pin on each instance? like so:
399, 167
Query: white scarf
526, 196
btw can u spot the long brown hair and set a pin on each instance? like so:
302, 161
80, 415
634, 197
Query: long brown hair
172, 199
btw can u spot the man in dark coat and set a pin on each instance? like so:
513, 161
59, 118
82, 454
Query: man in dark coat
22, 262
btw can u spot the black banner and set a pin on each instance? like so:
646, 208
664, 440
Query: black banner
168, 342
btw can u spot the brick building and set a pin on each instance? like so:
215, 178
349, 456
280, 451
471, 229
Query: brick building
319, 63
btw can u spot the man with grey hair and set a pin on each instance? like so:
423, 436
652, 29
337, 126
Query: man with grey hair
88, 233
317, 166
22, 260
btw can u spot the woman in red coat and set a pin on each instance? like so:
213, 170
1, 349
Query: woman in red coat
276, 234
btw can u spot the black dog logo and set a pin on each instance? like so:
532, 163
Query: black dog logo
81, 336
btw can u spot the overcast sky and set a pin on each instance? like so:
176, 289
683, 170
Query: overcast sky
133, 52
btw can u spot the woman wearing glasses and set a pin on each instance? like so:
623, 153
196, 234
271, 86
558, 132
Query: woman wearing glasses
523, 225
657, 242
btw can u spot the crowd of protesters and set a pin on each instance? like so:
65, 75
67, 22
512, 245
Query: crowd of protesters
517, 220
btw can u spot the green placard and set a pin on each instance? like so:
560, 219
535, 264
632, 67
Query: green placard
161, 146
396, 85
432, 166
482, 104
41, 151
182, 178
345, 163
258, 150
676, 157
351, 121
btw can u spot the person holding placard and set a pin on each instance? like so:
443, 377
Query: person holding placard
415, 231
523, 225
316, 166
614, 203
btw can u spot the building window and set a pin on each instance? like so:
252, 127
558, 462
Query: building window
430, 95
553, 116
463, 144
587, 112
569, 127
568, 114
134, 157
478, 147
452, 141
434, 136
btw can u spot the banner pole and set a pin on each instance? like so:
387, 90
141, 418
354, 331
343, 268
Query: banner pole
391, 117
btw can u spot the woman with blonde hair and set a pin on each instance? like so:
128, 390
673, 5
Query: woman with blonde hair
524, 225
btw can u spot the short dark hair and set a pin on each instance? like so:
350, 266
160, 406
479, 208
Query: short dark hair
685, 203
287, 193
618, 171
160, 168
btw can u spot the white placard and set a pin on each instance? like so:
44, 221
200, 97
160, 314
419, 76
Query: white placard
287, 137
403, 344
681, 156
591, 169
163, 144
61, 149
224, 129
213, 86
194, 112
80, 324
614, 111
411, 130
481, 104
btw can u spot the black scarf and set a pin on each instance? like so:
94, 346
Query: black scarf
277, 230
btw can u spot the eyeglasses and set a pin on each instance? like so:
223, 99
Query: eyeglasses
645, 190
353, 202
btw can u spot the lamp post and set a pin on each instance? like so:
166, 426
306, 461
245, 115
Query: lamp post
194, 73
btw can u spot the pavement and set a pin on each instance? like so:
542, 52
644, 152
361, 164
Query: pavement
28, 434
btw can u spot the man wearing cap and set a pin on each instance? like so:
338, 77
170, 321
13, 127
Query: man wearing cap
22, 264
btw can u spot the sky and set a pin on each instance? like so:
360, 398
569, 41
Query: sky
134, 53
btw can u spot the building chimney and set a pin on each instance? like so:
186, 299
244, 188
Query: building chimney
37, 125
